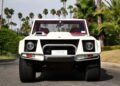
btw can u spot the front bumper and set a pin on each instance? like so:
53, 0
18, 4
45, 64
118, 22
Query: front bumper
69, 58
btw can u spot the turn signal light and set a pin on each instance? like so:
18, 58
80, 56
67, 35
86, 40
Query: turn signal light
90, 55
29, 55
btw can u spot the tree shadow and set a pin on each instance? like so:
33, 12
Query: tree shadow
68, 76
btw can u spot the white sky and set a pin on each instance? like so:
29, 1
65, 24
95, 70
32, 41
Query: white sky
35, 6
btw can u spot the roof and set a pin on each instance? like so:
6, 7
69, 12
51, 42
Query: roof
63, 19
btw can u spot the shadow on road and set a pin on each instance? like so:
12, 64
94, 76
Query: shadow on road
105, 76
69, 76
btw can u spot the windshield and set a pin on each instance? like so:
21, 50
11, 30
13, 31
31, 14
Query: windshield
46, 26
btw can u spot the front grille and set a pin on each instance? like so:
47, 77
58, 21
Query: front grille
74, 42
69, 45
70, 49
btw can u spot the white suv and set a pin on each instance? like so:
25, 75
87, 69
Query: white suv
59, 44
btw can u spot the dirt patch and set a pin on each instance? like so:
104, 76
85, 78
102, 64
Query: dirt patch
111, 56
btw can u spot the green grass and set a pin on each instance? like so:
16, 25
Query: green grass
3, 57
107, 48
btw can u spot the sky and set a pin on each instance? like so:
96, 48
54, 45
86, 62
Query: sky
35, 6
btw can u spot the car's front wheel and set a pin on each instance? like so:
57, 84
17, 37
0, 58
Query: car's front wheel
92, 74
26, 71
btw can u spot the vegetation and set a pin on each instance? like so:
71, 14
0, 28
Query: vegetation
5, 57
39, 16
70, 8
8, 42
45, 12
53, 12
107, 48
103, 21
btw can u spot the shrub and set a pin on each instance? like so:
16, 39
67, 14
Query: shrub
8, 41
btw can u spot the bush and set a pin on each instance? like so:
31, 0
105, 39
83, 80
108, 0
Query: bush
8, 41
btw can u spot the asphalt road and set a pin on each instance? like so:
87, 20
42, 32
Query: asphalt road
9, 76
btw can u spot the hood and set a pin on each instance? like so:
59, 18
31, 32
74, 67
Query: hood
59, 35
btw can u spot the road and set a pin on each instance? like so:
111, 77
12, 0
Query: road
9, 76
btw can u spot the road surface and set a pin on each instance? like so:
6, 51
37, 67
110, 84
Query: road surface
9, 76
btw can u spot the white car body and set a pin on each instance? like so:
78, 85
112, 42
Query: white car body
56, 44
39, 56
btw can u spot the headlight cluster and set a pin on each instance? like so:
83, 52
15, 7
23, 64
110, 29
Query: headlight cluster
88, 45
30, 45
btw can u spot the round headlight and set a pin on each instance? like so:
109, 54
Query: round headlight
89, 46
30, 46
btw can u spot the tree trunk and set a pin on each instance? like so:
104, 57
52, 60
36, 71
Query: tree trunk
99, 21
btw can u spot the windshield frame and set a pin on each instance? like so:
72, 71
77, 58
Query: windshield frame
62, 20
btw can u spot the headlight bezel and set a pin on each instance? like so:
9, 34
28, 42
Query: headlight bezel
31, 42
88, 44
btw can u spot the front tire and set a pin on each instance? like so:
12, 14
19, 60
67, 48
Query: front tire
26, 71
92, 74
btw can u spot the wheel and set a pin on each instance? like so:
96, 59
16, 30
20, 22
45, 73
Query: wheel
92, 74
26, 71
93, 71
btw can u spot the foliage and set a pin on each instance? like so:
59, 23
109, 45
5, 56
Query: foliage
105, 48
58, 13
25, 29
8, 41
110, 15
39, 15
70, 8
53, 12
64, 11
9, 13
45, 12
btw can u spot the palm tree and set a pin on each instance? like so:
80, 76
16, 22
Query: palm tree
40, 16
31, 16
27, 18
58, 13
64, 12
75, 12
11, 12
12, 24
25, 29
45, 12
1, 22
23, 19
53, 12
70, 7
85, 8
64, 3
8, 16
99, 19
20, 15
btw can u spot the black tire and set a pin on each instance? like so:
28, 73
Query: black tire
93, 74
93, 71
26, 71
